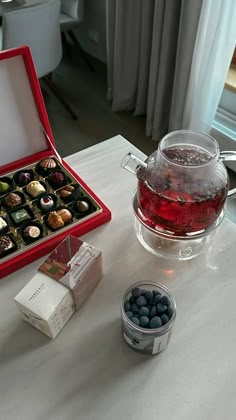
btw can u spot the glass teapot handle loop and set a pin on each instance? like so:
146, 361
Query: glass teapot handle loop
224, 157
227, 155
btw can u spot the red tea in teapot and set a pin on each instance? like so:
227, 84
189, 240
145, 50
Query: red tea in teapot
171, 201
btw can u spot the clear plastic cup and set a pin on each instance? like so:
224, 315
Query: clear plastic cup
146, 340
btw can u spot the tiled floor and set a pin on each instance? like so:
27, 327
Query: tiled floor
86, 93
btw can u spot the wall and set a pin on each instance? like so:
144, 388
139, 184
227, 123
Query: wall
92, 31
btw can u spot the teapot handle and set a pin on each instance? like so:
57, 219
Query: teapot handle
229, 156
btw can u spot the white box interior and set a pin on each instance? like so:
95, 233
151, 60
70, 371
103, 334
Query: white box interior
20, 126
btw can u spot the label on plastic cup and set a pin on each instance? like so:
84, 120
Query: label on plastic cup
152, 345
160, 343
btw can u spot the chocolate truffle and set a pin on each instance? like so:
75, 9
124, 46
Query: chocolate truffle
66, 191
3, 223
82, 206
5, 244
24, 178
54, 220
20, 216
65, 215
4, 186
34, 188
57, 179
13, 200
32, 232
48, 163
46, 202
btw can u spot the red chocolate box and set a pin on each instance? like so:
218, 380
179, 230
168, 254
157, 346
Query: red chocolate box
26, 142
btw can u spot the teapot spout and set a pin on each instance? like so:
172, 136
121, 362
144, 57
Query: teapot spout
133, 164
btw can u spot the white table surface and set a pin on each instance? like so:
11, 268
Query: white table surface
16, 4
88, 372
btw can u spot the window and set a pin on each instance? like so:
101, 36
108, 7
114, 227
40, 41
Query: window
224, 127
233, 62
230, 83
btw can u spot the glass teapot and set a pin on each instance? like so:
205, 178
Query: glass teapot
183, 186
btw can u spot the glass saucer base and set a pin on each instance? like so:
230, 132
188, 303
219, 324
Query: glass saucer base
171, 248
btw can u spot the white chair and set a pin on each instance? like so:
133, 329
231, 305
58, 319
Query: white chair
72, 13
38, 27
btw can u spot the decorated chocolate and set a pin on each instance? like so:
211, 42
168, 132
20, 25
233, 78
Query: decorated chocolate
32, 232
35, 188
70, 193
5, 244
13, 200
46, 202
24, 178
65, 215
82, 206
3, 223
20, 216
4, 186
57, 179
48, 163
66, 191
54, 220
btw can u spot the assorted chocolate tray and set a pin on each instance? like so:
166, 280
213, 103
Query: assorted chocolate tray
38, 201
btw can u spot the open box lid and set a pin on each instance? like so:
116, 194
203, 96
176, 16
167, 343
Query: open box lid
23, 116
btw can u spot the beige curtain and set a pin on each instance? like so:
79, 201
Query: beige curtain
149, 49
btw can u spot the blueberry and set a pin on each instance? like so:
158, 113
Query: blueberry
155, 322
136, 292
164, 319
149, 295
144, 321
135, 320
149, 307
155, 293
141, 301
144, 311
153, 311
160, 308
129, 314
134, 308
170, 312
132, 300
127, 306
165, 300
157, 299
143, 291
